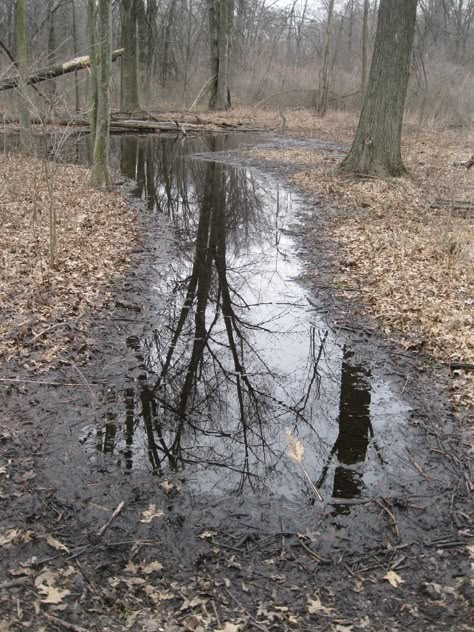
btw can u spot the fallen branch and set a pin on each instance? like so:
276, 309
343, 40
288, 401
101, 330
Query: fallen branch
466, 366
64, 624
104, 527
50, 72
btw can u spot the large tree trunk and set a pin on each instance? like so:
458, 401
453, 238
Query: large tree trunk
365, 42
129, 69
22, 61
221, 17
376, 147
100, 174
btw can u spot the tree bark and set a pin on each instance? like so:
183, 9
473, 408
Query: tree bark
375, 150
221, 17
92, 82
324, 73
365, 41
73, 65
100, 173
22, 60
129, 67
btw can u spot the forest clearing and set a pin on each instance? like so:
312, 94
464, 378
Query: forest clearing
237, 309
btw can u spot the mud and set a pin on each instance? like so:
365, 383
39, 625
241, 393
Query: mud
223, 352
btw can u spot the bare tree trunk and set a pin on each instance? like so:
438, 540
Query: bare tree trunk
129, 69
365, 41
376, 147
76, 50
100, 175
22, 61
324, 73
221, 17
51, 83
93, 85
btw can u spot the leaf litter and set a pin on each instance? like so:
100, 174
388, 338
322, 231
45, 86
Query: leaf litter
43, 299
411, 262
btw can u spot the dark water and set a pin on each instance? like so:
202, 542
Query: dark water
238, 359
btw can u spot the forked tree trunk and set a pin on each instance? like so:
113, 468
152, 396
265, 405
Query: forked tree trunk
221, 18
376, 147
129, 67
100, 174
22, 61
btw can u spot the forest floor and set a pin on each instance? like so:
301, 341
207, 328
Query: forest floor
84, 549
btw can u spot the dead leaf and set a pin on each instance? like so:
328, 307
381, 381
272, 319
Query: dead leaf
229, 627
314, 606
56, 544
131, 567
295, 448
53, 594
207, 534
393, 579
149, 514
152, 567
15, 536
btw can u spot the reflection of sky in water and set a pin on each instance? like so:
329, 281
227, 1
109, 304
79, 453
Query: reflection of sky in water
292, 369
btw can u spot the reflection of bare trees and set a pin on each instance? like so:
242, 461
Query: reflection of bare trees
218, 399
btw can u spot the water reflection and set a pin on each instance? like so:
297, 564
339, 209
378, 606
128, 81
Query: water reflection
236, 357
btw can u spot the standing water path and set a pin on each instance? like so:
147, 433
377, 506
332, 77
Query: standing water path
238, 364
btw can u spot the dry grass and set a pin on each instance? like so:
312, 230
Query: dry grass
414, 264
95, 231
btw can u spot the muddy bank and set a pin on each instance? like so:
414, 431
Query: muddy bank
216, 345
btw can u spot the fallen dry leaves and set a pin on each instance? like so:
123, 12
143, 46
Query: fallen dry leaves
413, 264
42, 303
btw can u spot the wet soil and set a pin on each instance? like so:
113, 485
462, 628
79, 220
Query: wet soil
229, 348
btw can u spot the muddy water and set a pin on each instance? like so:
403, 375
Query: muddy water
238, 370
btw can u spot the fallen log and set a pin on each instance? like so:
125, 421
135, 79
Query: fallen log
56, 70
461, 206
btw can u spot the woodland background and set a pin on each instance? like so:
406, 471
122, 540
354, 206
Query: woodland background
278, 48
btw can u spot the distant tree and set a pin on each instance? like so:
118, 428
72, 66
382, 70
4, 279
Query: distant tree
22, 61
129, 66
324, 72
376, 146
100, 30
221, 19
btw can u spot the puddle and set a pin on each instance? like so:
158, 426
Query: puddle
239, 365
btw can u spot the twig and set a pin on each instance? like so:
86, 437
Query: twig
383, 504
104, 528
201, 91
13, 583
314, 555
253, 620
65, 624
81, 375
410, 456
315, 489
45, 331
